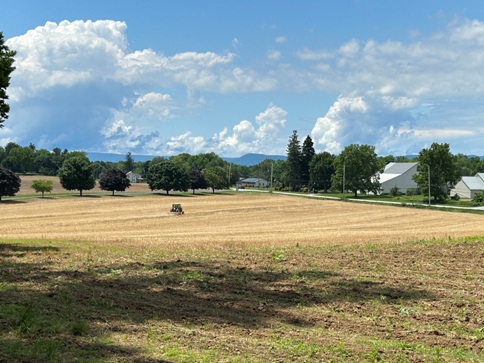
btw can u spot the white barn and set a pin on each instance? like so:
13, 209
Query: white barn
398, 175
469, 186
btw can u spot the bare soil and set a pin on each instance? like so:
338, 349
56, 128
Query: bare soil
238, 278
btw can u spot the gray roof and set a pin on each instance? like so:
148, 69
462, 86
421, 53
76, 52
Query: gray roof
253, 180
473, 182
398, 168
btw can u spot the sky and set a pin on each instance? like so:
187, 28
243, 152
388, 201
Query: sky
158, 77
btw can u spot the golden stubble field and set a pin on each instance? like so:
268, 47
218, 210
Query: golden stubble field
225, 220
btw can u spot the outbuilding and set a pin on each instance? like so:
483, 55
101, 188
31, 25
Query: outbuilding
398, 175
469, 186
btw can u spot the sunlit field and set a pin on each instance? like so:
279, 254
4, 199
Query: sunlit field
240, 277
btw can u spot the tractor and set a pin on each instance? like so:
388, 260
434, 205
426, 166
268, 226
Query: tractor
176, 209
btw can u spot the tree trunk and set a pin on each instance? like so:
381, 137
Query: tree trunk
80, 192
113, 193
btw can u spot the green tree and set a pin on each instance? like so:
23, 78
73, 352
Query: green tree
44, 162
167, 176
3, 154
6, 68
114, 179
321, 169
443, 167
9, 183
42, 186
357, 168
478, 199
128, 162
292, 175
307, 154
20, 159
197, 180
468, 165
76, 174
216, 177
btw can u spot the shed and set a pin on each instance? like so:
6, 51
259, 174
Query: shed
398, 175
469, 186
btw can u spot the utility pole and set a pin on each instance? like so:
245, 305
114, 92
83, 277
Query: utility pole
428, 168
272, 170
344, 177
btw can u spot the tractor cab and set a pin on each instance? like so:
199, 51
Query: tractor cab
176, 209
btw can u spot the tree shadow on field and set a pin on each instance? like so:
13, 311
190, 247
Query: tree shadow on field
12, 201
40, 298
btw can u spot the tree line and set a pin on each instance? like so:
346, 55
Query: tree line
356, 169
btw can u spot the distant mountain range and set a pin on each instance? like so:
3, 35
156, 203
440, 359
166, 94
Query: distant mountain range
246, 160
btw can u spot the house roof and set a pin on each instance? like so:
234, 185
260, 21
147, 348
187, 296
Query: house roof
253, 180
473, 182
393, 170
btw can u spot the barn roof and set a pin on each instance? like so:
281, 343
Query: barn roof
393, 170
473, 182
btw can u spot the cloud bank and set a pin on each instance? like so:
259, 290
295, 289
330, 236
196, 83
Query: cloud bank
78, 85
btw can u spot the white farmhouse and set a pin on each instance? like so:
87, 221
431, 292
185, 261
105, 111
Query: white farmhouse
254, 182
469, 186
133, 177
398, 175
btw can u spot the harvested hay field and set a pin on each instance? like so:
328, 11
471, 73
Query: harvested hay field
239, 278
227, 220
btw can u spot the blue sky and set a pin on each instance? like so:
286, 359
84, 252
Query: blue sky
233, 77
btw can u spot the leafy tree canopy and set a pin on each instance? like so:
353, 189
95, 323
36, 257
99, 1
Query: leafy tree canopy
321, 169
217, 177
42, 186
444, 171
6, 68
9, 183
197, 180
167, 176
357, 167
76, 174
114, 179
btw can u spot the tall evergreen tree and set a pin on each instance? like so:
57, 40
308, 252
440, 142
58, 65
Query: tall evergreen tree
293, 162
128, 162
6, 67
307, 153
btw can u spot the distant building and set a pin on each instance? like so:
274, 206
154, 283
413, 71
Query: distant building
253, 182
134, 178
469, 186
398, 175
